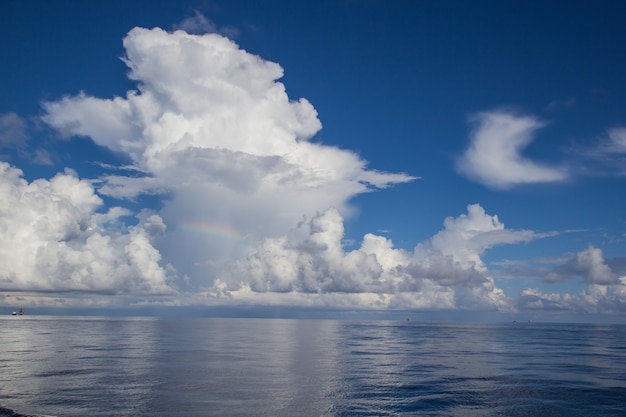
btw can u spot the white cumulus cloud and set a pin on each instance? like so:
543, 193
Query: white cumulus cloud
589, 264
444, 272
597, 299
213, 129
494, 156
605, 291
54, 239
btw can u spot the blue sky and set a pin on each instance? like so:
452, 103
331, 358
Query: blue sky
443, 156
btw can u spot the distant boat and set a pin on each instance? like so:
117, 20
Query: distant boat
14, 314
21, 312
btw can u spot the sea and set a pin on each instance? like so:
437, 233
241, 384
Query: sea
98, 366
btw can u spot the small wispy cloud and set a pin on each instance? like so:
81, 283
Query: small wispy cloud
494, 156
605, 157
13, 131
199, 24
561, 104
15, 135
617, 141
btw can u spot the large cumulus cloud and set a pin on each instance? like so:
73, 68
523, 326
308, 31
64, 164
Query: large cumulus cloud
444, 272
54, 239
211, 125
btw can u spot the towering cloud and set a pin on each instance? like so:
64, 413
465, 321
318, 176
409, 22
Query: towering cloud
212, 127
494, 158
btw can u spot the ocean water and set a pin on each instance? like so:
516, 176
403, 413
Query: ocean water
85, 366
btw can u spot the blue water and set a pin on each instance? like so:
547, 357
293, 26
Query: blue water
69, 366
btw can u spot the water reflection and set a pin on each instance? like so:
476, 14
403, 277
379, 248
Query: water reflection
76, 366
478, 369
236, 367
240, 367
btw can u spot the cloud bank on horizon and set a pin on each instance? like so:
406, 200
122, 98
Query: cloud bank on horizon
212, 131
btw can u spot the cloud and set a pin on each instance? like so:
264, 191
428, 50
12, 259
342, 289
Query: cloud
605, 292
41, 156
605, 157
316, 265
597, 299
534, 299
494, 158
617, 142
593, 267
589, 265
213, 131
14, 137
252, 209
610, 152
55, 240
469, 235
13, 131
610, 149
444, 272
561, 104
198, 24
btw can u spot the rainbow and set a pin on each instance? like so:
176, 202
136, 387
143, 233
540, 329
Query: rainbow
215, 230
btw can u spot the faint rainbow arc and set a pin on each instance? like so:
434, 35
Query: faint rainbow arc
216, 230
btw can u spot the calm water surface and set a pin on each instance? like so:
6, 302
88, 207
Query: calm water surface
69, 366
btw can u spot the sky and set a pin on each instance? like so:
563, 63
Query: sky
442, 158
